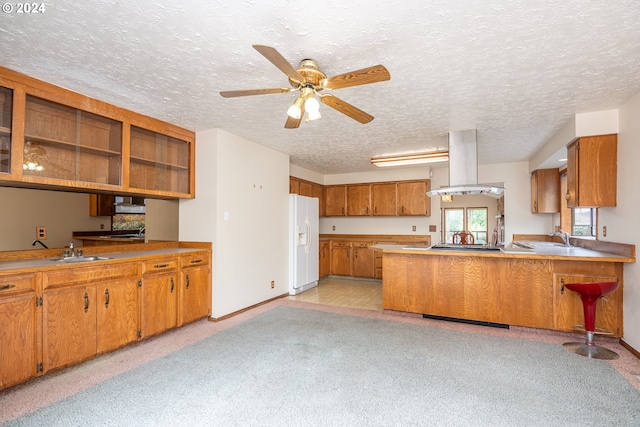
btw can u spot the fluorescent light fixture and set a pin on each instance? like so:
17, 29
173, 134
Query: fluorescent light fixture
410, 159
447, 198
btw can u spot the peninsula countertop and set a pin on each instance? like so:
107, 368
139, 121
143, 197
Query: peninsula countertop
518, 249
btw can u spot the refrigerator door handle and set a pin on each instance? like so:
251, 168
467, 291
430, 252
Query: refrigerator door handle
308, 224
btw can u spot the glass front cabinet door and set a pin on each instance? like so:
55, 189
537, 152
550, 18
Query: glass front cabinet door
6, 105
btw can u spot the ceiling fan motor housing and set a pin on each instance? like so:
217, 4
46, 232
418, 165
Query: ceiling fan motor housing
309, 70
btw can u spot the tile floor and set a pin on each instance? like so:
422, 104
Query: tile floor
345, 292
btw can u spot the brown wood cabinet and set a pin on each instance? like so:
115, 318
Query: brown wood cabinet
195, 288
413, 199
6, 107
363, 260
51, 137
117, 313
384, 198
340, 258
545, 191
69, 325
568, 309
160, 163
309, 189
67, 313
88, 310
294, 185
592, 172
159, 299
325, 259
359, 200
523, 292
335, 200
19, 308
101, 205
69, 144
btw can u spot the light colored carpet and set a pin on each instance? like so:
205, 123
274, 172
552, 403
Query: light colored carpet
292, 366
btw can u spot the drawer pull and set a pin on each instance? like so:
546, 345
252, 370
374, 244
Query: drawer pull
161, 266
9, 286
196, 261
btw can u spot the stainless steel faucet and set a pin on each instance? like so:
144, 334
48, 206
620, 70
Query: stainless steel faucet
563, 235
141, 231
72, 252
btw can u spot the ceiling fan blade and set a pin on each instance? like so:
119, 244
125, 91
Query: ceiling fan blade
235, 93
346, 108
279, 61
374, 74
292, 123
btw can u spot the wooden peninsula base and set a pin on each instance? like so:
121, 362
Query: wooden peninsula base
513, 289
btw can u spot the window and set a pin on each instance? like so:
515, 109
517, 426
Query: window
127, 221
583, 221
473, 220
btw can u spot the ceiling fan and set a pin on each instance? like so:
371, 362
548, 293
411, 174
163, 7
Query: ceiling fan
309, 80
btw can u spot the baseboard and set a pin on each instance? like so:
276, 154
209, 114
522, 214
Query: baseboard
632, 350
235, 313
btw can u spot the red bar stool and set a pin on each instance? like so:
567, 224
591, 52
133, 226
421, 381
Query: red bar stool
590, 293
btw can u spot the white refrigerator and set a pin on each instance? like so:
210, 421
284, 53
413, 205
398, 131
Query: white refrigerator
304, 223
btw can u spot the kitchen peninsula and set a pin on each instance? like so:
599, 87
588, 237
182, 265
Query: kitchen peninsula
513, 286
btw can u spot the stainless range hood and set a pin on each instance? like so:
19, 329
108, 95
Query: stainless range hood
463, 168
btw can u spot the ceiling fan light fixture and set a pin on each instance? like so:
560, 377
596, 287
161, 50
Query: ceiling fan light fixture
313, 115
295, 112
311, 105
410, 159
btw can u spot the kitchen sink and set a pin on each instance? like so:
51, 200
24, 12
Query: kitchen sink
124, 236
73, 259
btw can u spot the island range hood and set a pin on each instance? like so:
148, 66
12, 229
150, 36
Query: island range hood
463, 168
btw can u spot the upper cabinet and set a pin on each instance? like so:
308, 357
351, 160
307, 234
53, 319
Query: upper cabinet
545, 191
54, 138
159, 162
384, 197
358, 200
592, 171
413, 199
309, 189
69, 144
6, 106
335, 200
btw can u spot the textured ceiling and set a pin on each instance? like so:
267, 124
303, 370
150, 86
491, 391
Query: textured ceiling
514, 70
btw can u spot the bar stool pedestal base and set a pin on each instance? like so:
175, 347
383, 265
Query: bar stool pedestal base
591, 351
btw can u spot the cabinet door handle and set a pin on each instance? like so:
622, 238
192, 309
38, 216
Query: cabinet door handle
562, 286
9, 286
535, 206
86, 302
375, 210
403, 209
342, 211
567, 196
187, 281
172, 285
106, 298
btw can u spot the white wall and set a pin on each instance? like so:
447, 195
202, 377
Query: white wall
622, 221
62, 213
241, 206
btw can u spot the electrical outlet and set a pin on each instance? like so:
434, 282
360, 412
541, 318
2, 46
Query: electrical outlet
333, 228
273, 284
101, 226
604, 231
41, 232
413, 228
432, 228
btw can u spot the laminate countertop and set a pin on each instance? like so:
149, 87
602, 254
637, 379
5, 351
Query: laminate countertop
519, 249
